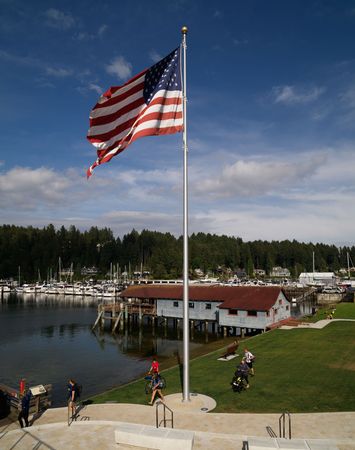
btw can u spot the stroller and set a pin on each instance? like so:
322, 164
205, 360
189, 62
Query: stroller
238, 382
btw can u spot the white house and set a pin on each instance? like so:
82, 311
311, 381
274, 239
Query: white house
318, 278
255, 307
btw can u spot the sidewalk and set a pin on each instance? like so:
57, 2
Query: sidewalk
95, 426
315, 325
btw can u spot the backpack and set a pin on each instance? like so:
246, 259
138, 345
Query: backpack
78, 390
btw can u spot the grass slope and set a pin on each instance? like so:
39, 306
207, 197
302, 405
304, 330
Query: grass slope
300, 370
342, 311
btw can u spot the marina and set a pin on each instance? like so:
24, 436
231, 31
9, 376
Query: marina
48, 338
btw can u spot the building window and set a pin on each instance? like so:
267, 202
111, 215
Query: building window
287, 307
267, 313
208, 306
191, 304
176, 304
234, 312
252, 313
280, 302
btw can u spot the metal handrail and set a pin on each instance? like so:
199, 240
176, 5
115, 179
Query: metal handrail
157, 423
282, 420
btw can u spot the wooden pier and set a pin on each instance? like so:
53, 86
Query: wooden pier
118, 314
38, 402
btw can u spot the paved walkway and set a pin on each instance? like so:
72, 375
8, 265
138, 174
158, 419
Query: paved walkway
95, 426
316, 325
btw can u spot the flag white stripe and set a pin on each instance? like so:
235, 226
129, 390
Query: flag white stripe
160, 94
123, 89
151, 124
158, 124
124, 116
115, 108
108, 143
101, 129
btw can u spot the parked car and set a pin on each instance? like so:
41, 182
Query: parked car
332, 290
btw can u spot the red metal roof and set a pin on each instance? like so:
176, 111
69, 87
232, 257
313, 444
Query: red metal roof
232, 297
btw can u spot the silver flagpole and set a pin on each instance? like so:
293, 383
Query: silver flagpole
186, 383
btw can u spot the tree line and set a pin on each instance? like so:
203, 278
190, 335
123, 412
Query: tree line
36, 251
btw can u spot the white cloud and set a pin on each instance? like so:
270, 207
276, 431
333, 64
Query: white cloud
308, 196
85, 36
124, 221
155, 56
250, 178
348, 97
20, 60
59, 19
239, 42
119, 67
96, 88
308, 223
58, 72
28, 61
102, 30
29, 188
290, 95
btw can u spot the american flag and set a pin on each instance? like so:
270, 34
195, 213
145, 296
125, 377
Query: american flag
148, 104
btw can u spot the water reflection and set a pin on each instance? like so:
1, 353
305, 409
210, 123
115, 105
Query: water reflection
49, 339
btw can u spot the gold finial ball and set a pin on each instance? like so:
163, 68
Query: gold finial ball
184, 30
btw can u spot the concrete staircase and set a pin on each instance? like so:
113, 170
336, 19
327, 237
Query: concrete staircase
256, 443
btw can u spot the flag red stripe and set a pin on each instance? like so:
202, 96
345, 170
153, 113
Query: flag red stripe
148, 132
112, 101
128, 123
110, 93
122, 115
111, 117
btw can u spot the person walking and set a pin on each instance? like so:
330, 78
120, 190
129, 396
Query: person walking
243, 372
24, 409
154, 367
73, 393
156, 388
249, 358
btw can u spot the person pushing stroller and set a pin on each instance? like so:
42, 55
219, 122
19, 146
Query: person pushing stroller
240, 380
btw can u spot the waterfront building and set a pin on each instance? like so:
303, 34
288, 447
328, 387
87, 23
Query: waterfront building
256, 308
237, 307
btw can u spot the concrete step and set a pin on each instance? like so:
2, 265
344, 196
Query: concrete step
255, 443
154, 438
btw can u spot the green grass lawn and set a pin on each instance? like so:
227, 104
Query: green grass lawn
300, 370
345, 311
342, 311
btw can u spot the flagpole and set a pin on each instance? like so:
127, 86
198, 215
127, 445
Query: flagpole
186, 346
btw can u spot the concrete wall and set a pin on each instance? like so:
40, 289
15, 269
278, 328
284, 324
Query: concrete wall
166, 308
328, 299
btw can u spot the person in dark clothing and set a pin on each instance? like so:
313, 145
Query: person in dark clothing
24, 408
243, 371
73, 395
156, 388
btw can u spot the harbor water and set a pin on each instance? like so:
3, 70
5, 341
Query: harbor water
48, 339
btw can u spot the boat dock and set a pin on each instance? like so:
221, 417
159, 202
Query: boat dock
119, 314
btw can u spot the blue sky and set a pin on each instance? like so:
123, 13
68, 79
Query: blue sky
271, 113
